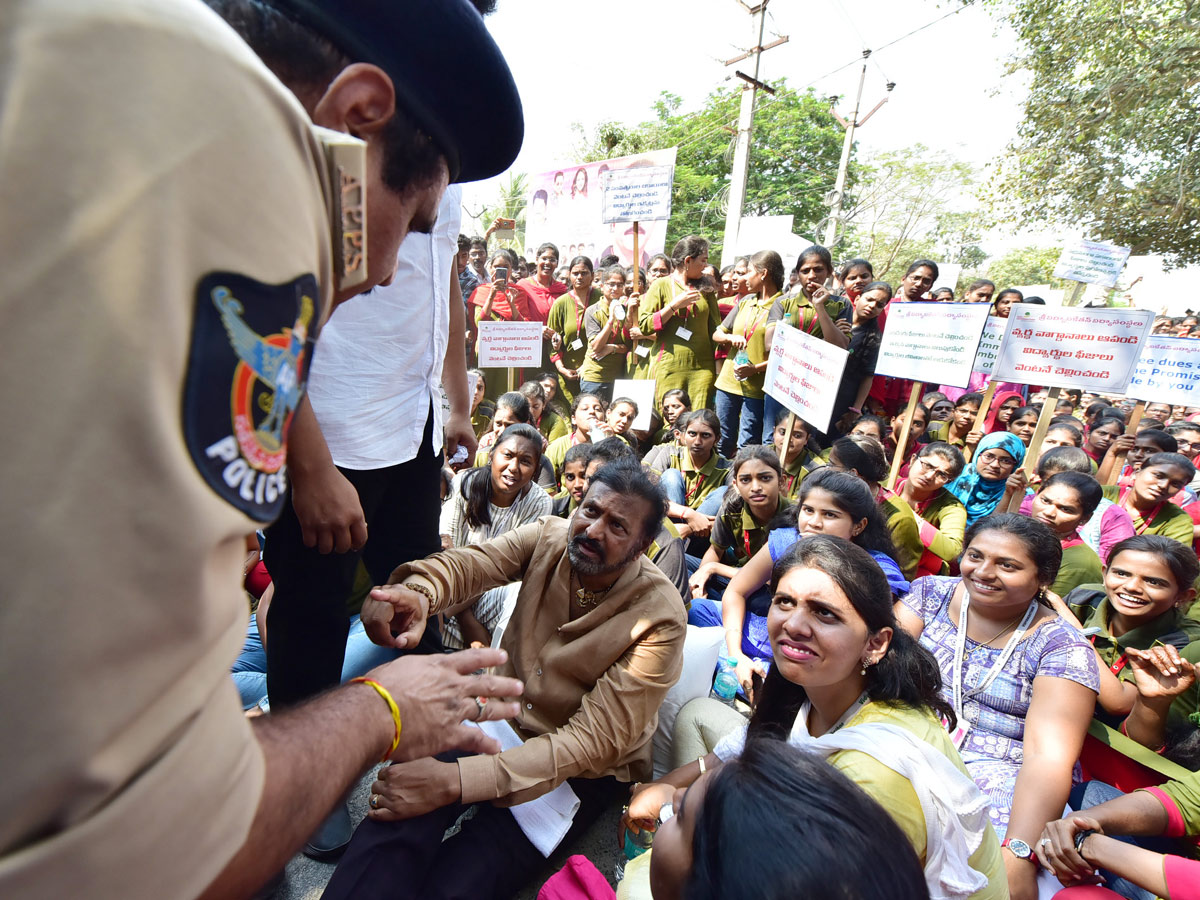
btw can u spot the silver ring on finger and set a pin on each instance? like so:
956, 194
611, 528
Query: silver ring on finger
478, 709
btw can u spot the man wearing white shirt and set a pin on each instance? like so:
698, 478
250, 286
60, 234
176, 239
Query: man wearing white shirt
365, 460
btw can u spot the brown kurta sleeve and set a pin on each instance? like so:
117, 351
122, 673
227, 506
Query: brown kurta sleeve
617, 715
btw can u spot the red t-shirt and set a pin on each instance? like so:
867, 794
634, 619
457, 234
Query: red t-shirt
541, 298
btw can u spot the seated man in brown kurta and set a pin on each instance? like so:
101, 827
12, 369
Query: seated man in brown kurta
597, 638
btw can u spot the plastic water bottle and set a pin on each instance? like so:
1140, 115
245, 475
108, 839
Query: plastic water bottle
741, 358
635, 846
725, 685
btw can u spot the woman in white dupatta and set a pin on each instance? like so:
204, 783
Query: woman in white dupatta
849, 684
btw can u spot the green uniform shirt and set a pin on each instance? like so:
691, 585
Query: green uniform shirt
799, 312
606, 369
566, 319
946, 513
748, 319
737, 533
679, 360
1092, 608
1080, 565
902, 524
553, 426
795, 473
1169, 520
699, 483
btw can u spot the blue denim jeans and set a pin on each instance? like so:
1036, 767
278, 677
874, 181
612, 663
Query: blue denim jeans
773, 412
674, 486
599, 388
741, 422
250, 668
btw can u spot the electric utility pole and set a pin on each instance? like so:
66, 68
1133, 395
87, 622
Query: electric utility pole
835, 197
741, 154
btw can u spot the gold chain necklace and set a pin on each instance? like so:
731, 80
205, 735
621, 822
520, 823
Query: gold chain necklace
588, 598
1007, 628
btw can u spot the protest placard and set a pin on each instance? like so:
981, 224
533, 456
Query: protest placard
637, 194
503, 344
803, 373
1168, 371
1089, 349
641, 392
1092, 262
989, 345
932, 342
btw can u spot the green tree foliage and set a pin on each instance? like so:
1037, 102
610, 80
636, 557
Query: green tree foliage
793, 159
911, 204
1109, 137
1025, 265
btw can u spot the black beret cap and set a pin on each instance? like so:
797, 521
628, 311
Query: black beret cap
449, 74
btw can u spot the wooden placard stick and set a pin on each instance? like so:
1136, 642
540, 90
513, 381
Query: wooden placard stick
1039, 433
902, 443
787, 437
637, 261
1035, 444
984, 405
981, 419
1118, 462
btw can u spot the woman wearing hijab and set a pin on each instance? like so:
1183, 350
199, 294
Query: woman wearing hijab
993, 478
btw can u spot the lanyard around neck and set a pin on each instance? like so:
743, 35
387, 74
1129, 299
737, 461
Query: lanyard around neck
960, 647
849, 714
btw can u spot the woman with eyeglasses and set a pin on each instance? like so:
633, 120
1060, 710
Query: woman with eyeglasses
941, 517
994, 477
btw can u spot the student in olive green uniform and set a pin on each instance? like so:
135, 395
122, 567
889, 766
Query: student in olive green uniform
800, 458
566, 320
1065, 501
694, 480
1147, 499
812, 309
941, 517
545, 420
739, 386
682, 319
1146, 588
603, 324
863, 456
587, 414
742, 523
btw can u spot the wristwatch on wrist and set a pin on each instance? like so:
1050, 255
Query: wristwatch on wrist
1079, 839
1020, 849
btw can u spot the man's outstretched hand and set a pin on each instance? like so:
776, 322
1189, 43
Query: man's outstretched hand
395, 616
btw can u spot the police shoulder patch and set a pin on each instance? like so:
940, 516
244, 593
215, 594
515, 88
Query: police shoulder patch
246, 373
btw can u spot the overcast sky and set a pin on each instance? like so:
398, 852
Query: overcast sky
591, 62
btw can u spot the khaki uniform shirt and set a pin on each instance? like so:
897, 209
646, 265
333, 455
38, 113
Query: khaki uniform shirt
165, 236
593, 685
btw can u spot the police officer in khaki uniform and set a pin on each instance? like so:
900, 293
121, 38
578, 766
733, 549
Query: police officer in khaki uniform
167, 263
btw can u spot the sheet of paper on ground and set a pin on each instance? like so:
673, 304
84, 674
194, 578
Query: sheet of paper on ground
503, 344
932, 342
1168, 371
803, 373
1089, 349
641, 392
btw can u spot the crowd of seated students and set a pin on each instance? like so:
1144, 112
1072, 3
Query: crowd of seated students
933, 651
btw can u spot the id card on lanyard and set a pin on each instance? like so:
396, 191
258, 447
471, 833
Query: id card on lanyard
959, 735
